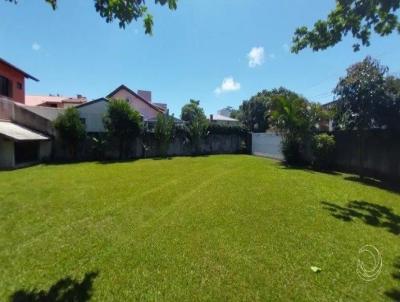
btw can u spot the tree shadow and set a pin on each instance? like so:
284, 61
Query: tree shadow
306, 168
385, 185
369, 213
394, 293
64, 290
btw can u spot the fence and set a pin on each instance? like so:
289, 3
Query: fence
149, 147
381, 153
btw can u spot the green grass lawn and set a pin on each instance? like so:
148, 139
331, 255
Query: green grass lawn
192, 229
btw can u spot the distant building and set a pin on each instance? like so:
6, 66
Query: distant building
54, 101
223, 120
12, 82
226, 111
92, 113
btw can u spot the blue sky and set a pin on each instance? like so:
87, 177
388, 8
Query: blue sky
192, 52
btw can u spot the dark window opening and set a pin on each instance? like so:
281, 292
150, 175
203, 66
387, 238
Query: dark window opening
26, 152
5, 86
83, 121
19, 86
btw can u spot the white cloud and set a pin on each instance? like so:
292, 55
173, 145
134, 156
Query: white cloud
36, 46
228, 85
256, 56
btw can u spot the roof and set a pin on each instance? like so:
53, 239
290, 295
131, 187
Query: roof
26, 75
36, 100
18, 133
136, 95
92, 102
154, 119
47, 113
219, 117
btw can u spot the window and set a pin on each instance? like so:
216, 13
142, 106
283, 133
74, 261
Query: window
19, 86
83, 121
5, 86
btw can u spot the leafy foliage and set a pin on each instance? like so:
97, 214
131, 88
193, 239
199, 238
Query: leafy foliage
164, 132
367, 98
196, 121
123, 123
124, 11
323, 146
254, 112
356, 17
296, 119
191, 111
71, 129
224, 129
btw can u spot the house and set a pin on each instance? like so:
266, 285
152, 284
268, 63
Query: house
54, 101
223, 120
12, 82
141, 101
25, 136
92, 113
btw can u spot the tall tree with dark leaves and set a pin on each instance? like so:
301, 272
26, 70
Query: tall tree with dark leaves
359, 18
362, 101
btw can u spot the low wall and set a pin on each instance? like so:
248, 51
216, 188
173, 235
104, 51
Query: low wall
381, 153
148, 147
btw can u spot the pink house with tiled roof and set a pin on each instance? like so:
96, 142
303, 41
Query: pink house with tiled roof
140, 101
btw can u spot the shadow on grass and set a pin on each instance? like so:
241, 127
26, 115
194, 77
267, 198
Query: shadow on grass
369, 213
117, 161
306, 168
385, 185
394, 293
64, 290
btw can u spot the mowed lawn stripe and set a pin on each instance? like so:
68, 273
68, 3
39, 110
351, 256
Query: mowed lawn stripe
229, 227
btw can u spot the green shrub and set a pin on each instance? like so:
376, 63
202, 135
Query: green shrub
323, 146
164, 132
122, 123
71, 129
291, 151
225, 129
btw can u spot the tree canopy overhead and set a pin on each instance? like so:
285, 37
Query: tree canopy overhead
124, 11
356, 17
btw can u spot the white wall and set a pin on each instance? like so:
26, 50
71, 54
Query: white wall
267, 144
93, 115
6, 153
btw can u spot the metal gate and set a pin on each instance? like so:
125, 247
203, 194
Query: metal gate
266, 144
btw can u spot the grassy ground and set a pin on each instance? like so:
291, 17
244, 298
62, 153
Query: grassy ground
208, 228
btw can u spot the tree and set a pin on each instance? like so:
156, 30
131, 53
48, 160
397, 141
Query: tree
361, 95
356, 17
295, 118
361, 100
124, 11
164, 132
123, 123
71, 129
254, 112
191, 111
196, 121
